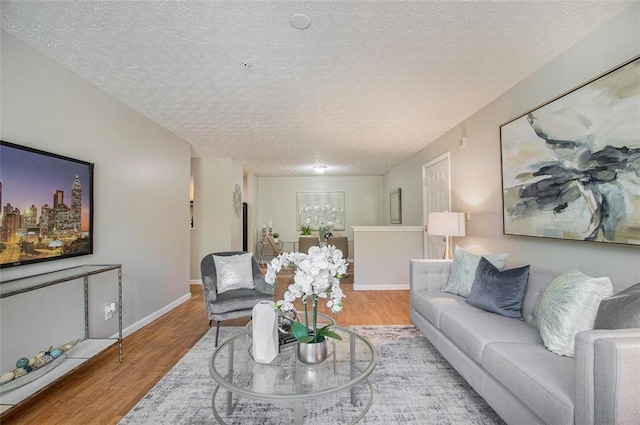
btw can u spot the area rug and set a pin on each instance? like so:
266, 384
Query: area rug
413, 384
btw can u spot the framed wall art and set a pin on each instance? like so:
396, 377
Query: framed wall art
571, 167
315, 208
47, 206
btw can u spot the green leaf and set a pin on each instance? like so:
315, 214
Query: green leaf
330, 334
299, 330
325, 332
305, 339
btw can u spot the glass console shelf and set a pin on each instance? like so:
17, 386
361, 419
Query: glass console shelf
85, 349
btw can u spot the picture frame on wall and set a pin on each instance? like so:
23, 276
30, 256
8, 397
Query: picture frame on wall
316, 208
395, 206
571, 167
46, 203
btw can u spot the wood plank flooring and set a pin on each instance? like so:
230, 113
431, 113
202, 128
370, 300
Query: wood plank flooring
104, 390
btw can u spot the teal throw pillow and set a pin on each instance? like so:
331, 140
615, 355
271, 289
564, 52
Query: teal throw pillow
498, 291
463, 270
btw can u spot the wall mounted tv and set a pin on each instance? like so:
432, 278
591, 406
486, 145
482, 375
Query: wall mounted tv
46, 206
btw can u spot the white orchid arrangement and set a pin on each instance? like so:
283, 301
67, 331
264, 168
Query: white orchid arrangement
317, 275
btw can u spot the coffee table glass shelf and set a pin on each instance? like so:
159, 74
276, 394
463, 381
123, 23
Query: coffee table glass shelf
286, 379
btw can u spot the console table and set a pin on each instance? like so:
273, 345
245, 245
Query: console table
84, 349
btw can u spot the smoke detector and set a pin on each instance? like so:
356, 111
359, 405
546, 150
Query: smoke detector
300, 21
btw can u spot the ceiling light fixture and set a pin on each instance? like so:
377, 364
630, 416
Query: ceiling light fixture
300, 21
319, 168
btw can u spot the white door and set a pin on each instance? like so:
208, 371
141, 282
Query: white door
435, 198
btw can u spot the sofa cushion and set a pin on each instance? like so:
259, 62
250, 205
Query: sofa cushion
472, 330
539, 281
543, 381
463, 270
621, 311
233, 272
431, 304
568, 306
499, 292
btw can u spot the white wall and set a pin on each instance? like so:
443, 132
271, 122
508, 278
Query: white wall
141, 202
216, 226
383, 254
475, 170
277, 202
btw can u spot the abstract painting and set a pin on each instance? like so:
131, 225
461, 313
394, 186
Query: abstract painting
316, 208
571, 167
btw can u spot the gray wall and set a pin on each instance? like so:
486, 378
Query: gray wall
141, 202
475, 170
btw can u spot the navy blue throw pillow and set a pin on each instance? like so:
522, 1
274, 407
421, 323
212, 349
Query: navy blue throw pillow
500, 292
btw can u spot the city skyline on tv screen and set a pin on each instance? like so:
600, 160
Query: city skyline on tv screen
45, 205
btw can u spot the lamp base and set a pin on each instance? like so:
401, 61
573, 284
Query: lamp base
448, 254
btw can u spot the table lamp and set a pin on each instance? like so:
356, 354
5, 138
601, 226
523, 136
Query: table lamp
446, 224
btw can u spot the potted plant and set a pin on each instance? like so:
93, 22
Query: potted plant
305, 230
275, 236
317, 275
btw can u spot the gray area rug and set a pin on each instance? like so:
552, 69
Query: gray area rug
413, 384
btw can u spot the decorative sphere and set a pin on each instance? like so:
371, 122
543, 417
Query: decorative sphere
56, 352
40, 361
22, 362
18, 372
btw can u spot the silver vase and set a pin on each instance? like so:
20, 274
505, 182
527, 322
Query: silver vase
312, 352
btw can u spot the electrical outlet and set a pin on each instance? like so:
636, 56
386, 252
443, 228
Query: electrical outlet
109, 310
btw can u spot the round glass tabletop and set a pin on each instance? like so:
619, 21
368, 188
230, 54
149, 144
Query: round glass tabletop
350, 362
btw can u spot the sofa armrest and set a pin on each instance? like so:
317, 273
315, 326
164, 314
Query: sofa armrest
429, 275
607, 376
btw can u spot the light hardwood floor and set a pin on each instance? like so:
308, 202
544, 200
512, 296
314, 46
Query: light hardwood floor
104, 390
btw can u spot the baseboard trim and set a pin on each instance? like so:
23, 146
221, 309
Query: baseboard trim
195, 282
380, 287
153, 316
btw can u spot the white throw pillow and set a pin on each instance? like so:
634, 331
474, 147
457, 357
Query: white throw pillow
234, 272
463, 270
568, 306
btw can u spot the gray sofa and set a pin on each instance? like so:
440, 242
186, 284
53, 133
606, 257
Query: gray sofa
505, 361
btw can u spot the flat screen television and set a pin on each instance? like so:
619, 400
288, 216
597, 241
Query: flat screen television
46, 206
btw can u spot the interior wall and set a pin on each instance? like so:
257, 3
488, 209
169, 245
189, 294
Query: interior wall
141, 198
250, 196
217, 228
277, 202
236, 215
476, 169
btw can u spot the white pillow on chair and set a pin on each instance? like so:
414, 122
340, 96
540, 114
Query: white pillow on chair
234, 272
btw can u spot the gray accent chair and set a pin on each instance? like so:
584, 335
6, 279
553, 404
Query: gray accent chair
235, 303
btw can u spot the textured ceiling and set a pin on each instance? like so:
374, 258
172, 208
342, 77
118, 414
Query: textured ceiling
367, 85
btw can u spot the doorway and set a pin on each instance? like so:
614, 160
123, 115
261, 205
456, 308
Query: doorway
436, 197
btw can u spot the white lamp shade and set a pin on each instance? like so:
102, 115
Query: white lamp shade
446, 224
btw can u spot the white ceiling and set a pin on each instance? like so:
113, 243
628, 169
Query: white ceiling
367, 85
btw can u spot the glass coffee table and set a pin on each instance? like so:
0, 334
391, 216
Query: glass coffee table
350, 363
